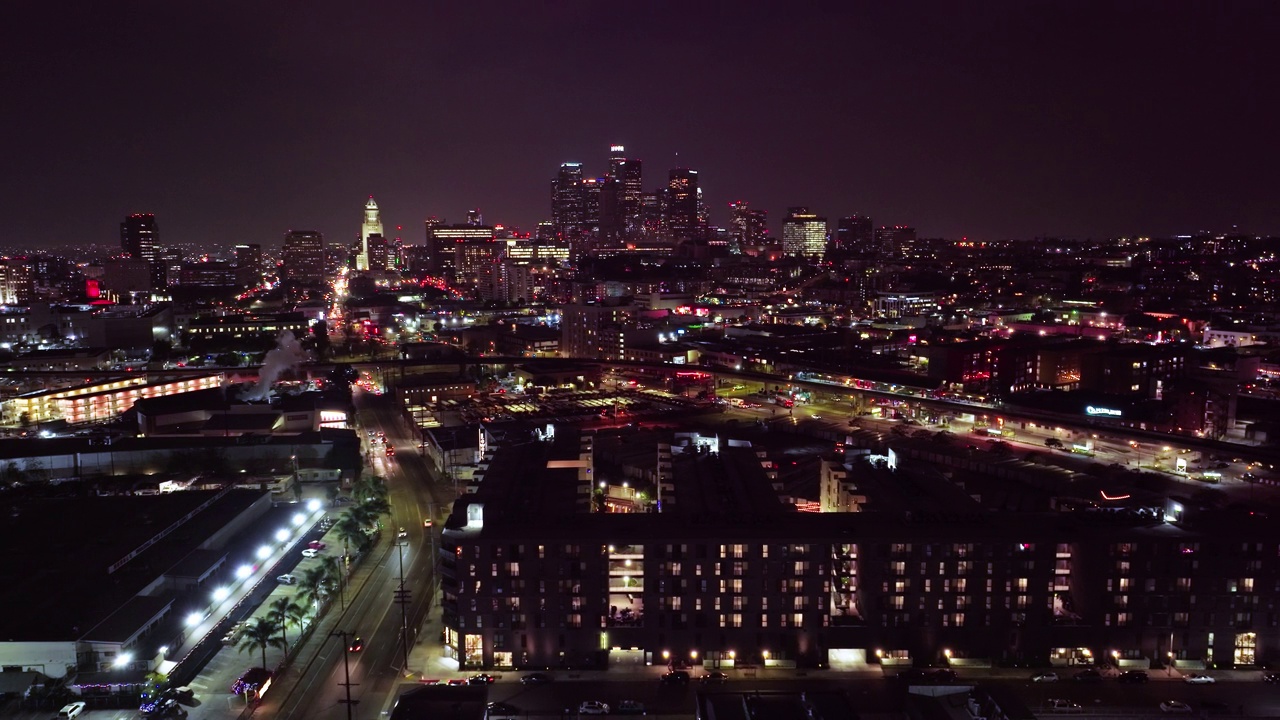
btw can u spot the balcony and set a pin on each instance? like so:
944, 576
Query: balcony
626, 552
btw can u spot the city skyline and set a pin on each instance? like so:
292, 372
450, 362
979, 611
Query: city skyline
1007, 122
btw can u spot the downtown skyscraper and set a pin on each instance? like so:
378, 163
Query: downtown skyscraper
568, 201
140, 240
681, 219
628, 175
371, 227
804, 234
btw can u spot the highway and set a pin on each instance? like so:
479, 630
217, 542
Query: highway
374, 616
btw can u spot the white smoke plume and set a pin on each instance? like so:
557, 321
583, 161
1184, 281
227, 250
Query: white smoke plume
285, 355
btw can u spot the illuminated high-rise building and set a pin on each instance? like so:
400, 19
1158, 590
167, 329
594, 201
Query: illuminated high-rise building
628, 174
139, 236
855, 235
249, 264
475, 217
590, 189
140, 239
680, 217
749, 227
372, 225
804, 234
651, 213
15, 281
568, 203
896, 241
304, 258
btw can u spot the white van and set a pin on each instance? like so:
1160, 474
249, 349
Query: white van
72, 710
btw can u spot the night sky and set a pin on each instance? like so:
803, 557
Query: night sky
234, 122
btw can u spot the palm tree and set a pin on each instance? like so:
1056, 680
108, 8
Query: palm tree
315, 584
351, 531
259, 634
282, 611
369, 487
375, 507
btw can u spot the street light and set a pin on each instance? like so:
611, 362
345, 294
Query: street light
194, 619
221, 594
244, 571
313, 505
298, 519
282, 535
122, 660
264, 552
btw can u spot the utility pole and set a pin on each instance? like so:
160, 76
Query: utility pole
402, 599
346, 668
341, 568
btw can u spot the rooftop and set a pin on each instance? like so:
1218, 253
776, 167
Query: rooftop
59, 552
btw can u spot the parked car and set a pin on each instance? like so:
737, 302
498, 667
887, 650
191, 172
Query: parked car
714, 678
1136, 677
676, 677
1063, 706
481, 679
1088, 676
593, 707
287, 579
316, 545
1271, 677
1198, 679
924, 675
310, 553
535, 679
1175, 706
628, 707
501, 709
182, 694
72, 710
1045, 677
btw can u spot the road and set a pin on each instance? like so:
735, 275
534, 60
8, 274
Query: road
415, 496
876, 696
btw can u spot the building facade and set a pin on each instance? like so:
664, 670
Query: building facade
804, 234
534, 574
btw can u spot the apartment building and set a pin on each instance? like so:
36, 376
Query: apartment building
715, 568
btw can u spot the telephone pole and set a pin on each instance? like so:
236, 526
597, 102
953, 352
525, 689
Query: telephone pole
346, 668
402, 599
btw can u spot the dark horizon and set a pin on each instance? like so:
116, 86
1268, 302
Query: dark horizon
1002, 121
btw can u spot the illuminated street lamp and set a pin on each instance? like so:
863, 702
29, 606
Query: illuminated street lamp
264, 552
221, 594
298, 519
282, 535
313, 505
122, 660
244, 571
194, 619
